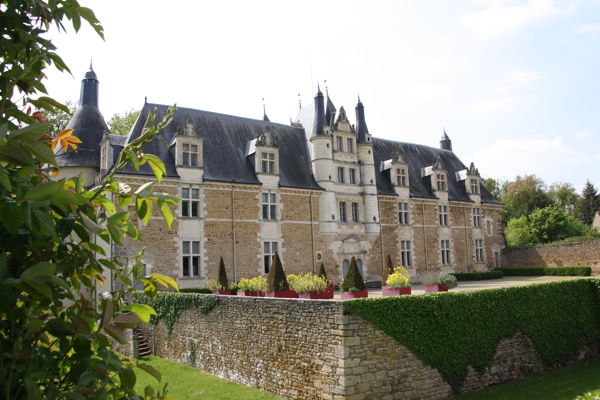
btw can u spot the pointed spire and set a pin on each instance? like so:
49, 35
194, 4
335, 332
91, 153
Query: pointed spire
265, 118
329, 111
89, 89
445, 142
319, 114
361, 123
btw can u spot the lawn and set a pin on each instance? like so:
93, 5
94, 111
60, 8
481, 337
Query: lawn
564, 384
186, 382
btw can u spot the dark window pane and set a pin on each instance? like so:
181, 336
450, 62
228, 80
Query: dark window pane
194, 208
185, 208
186, 266
196, 265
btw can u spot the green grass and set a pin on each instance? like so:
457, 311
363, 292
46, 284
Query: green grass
186, 382
564, 384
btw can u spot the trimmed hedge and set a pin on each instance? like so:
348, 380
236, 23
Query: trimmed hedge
479, 276
541, 271
170, 305
454, 330
196, 290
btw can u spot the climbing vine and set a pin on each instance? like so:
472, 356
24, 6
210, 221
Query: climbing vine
170, 305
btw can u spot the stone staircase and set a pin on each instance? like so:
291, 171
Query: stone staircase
143, 347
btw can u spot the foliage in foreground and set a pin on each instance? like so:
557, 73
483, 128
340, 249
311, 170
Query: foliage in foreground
451, 331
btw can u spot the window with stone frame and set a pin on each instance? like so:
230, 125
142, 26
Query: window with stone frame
441, 183
443, 214
269, 206
446, 254
339, 143
477, 217
488, 227
355, 212
406, 253
474, 185
403, 216
191, 258
401, 177
352, 176
267, 162
479, 250
190, 202
341, 175
343, 216
350, 145
189, 155
269, 250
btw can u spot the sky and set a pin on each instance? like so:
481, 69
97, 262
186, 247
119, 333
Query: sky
515, 84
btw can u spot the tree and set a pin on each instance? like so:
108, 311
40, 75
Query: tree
223, 281
496, 188
524, 195
56, 342
120, 124
564, 195
322, 272
353, 281
58, 118
276, 280
518, 233
588, 204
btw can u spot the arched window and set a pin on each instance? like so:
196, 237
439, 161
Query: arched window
345, 266
359, 264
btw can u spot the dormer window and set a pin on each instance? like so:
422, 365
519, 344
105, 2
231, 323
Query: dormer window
268, 162
339, 143
350, 145
474, 186
441, 183
401, 177
190, 155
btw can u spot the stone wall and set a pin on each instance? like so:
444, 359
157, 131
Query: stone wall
307, 349
556, 255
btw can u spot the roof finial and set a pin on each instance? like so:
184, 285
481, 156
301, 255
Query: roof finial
145, 99
299, 101
359, 97
326, 87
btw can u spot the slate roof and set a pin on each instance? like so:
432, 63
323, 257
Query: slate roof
419, 156
224, 147
89, 126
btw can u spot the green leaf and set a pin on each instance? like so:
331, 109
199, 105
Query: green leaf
158, 167
11, 217
125, 200
145, 190
164, 280
3, 266
116, 333
46, 223
127, 377
30, 132
5, 180
144, 209
119, 218
166, 212
40, 272
151, 370
126, 320
143, 311
15, 153
43, 191
90, 225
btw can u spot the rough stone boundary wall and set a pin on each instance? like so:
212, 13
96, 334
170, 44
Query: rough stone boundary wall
304, 349
555, 255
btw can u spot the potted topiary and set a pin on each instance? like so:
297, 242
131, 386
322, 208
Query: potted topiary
389, 266
440, 283
308, 286
252, 287
353, 285
221, 285
397, 283
329, 290
277, 284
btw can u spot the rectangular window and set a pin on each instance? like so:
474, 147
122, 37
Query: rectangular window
354, 212
446, 256
191, 258
479, 250
339, 143
268, 163
341, 174
190, 202
343, 217
190, 155
352, 176
443, 215
475, 186
441, 182
406, 253
350, 145
269, 206
270, 248
476, 217
401, 177
403, 213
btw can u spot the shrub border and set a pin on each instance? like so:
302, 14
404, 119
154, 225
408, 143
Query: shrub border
547, 271
479, 276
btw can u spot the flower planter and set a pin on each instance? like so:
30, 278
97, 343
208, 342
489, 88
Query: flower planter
314, 295
286, 294
329, 291
247, 293
355, 295
435, 288
387, 291
223, 292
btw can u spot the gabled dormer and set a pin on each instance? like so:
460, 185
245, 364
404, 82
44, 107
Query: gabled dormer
265, 152
396, 169
472, 180
342, 123
438, 177
188, 146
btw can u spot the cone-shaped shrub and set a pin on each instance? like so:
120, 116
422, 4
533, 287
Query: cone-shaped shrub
322, 272
276, 280
353, 278
389, 266
223, 281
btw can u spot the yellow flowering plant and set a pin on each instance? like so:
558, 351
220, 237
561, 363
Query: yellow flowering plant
400, 278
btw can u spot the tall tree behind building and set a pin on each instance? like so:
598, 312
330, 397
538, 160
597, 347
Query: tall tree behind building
524, 195
588, 204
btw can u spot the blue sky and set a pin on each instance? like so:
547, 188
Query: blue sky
514, 83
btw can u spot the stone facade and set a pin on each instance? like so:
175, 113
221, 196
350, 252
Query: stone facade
555, 255
306, 349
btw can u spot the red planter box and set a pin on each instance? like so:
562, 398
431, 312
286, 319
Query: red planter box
247, 294
286, 294
224, 292
329, 291
435, 288
355, 295
314, 295
386, 291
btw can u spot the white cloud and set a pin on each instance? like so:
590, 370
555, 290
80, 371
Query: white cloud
593, 29
498, 20
585, 135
